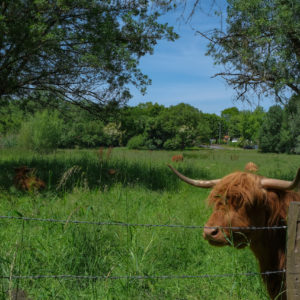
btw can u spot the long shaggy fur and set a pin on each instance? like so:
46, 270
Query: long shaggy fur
243, 196
26, 180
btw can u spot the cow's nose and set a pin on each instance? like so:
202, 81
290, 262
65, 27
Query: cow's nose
210, 232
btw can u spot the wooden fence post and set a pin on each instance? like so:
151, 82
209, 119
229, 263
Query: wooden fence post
293, 252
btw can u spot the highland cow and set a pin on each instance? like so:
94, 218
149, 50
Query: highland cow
243, 199
177, 158
26, 180
251, 167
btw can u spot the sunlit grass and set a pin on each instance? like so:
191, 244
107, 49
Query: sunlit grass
141, 191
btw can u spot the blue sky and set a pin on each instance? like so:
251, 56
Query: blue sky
181, 72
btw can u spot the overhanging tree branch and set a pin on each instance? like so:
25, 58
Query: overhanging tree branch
87, 51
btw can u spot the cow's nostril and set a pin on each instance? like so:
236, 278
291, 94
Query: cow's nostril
214, 231
210, 232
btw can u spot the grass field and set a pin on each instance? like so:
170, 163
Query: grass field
142, 190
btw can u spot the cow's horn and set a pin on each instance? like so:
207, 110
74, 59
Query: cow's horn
281, 184
198, 183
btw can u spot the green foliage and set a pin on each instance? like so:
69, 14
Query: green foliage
175, 126
186, 136
260, 47
291, 124
215, 124
269, 138
84, 51
281, 128
136, 142
297, 147
172, 144
244, 125
151, 126
112, 134
83, 133
11, 117
203, 132
9, 141
42, 132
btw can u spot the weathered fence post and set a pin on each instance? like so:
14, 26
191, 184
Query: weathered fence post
293, 252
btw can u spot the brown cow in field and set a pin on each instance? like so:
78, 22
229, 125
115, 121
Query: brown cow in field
26, 180
177, 158
251, 167
243, 199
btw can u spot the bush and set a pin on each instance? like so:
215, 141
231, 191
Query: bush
112, 134
297, 148
83, 133
42, 132
8, 141
172, 144
136, 142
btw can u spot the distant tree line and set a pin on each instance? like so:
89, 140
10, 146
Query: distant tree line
25, 124
70, 64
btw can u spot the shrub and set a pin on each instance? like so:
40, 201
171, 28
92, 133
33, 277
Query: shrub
83, 133
136, 142
297, 148
172, 144
42, 132
8, 141
112, 134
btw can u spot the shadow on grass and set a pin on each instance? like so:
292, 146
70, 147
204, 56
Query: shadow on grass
64, 175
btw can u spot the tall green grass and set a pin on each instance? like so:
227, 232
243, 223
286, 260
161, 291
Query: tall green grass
142, 191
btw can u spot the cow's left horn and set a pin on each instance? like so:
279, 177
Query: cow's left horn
197, 183
281, 184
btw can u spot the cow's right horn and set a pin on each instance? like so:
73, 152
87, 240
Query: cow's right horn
281, 184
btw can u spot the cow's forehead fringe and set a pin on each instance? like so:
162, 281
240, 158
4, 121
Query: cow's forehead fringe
238, 186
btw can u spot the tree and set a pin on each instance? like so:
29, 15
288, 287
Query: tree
269, 137
229, 112
179, 123
234, 128
203, 132
260, 47
290, 130
256, 120
216, 125
228, 115
85, 132
82, 51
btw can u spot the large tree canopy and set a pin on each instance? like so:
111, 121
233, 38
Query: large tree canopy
76, 50
259, 47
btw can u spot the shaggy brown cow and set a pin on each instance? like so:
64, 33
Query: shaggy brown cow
177, 158
26, 180
251, 167
243, 199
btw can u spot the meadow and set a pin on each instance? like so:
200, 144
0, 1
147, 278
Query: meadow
133, 187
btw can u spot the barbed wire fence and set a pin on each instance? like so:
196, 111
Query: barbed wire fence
137, 277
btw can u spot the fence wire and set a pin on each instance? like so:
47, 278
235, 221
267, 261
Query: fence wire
108, 223
137, 277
